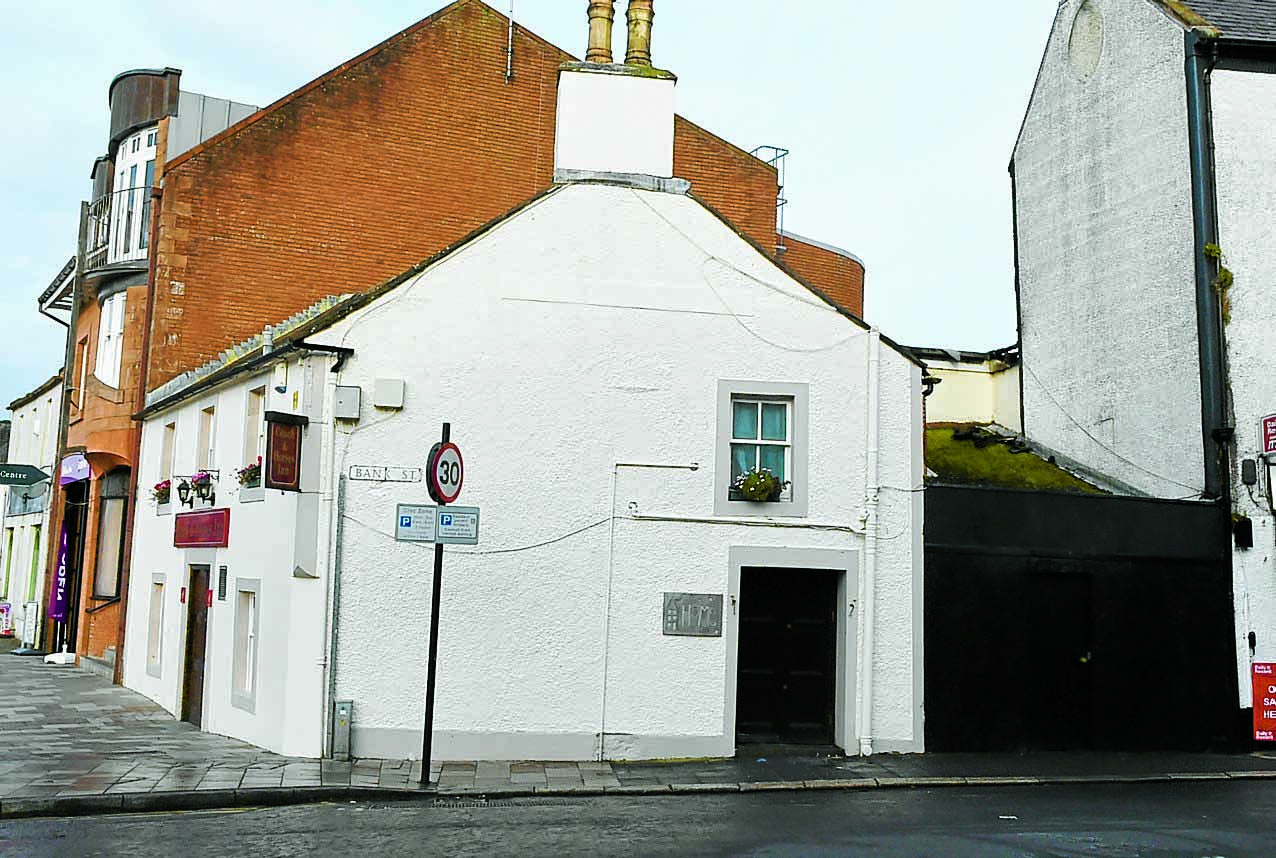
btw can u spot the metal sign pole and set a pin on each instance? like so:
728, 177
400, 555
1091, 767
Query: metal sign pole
427, 740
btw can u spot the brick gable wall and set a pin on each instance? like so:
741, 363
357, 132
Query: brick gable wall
357, 177
839, 277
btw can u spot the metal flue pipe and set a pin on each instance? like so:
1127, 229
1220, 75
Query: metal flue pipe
640, 16
601, 15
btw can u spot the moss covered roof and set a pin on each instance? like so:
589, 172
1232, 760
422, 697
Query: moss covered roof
968, 455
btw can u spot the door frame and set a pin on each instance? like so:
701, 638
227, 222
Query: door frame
194, 557
834, 561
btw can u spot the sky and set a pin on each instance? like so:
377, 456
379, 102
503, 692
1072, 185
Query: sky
900, 118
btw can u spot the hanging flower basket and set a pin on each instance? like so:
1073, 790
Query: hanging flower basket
759, 485
162, 491
203, 478
249, 476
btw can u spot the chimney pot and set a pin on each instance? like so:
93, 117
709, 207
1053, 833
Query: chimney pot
601, 14
640, 16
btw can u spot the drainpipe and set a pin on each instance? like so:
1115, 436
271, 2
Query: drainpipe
611, 568
57, 495
868, 582
1202, 53
157, 195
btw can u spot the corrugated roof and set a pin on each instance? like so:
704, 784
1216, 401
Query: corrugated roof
1239, 19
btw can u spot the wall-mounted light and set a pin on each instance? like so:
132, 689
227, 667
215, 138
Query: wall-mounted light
184, 493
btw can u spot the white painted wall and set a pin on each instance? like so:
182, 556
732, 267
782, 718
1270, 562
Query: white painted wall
615, 119
1111, 364
264, 544
986, 392
1244, 130
32, 441
594, 329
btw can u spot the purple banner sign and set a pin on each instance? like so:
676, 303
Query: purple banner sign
60, 599
74, 468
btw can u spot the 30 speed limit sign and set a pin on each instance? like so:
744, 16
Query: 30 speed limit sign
446, 472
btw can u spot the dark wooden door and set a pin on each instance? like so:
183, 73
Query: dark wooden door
1059, 703
196, 640
787, 656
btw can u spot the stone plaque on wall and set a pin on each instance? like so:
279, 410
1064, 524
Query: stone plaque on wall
693, 615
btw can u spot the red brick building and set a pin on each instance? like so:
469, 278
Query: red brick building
379, 164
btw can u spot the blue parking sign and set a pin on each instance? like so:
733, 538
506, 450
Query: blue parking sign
405, 521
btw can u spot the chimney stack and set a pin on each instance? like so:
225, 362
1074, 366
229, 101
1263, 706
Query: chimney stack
615, 120
601, 15
640, 16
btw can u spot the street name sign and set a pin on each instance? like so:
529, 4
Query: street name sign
414, 523
457, 525
384, 474
21, 475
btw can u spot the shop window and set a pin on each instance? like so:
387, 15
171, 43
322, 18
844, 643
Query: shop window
243, 691
112, 516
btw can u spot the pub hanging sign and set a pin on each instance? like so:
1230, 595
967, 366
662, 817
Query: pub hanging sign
283, 450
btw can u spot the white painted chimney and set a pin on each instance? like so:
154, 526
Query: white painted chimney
612, 118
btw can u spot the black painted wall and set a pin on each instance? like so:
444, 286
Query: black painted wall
1058, 621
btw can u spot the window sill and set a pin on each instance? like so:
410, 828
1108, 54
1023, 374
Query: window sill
164, 508
155, 670
244, 702
255, 494
783, 508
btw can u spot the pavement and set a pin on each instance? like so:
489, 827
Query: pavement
73, 744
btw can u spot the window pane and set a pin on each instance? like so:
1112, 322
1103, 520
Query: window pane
110, 537
773, 459
745, 423
743, 458
775, 422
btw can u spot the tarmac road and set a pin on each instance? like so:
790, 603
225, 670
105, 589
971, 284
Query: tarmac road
1176, 819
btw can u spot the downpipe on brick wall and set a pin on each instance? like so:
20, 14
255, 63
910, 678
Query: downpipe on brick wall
868, 581
611, 569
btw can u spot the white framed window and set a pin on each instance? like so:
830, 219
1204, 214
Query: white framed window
243, 689
206, 453
110, 340
762, 425
167, 451
131, 198
761, 437
155, 627
255, 426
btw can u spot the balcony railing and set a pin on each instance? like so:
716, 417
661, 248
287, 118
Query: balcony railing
119, 228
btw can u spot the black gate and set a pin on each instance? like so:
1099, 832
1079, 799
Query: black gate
1057, 621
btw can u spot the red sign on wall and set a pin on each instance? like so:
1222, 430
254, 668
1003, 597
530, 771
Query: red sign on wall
283, 456
1269, 434
1265, 702
205, 529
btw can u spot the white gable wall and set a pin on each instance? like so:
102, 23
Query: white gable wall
271, 532
1105, 237
589, 331
1244, 106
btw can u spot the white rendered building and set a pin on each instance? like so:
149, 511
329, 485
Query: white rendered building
609, 356
33, 441
1146, 150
